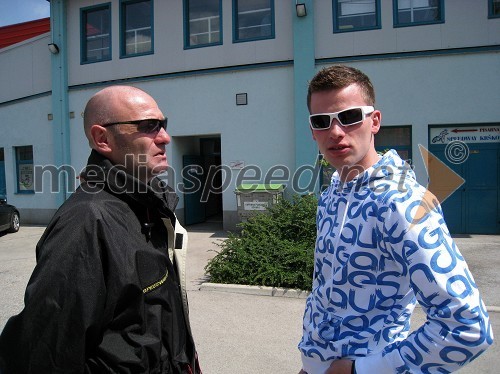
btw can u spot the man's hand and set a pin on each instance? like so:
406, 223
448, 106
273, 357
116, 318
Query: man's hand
342, 366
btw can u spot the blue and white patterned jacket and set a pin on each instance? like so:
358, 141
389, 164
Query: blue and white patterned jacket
372, 264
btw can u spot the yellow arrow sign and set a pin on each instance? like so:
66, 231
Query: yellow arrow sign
443, 181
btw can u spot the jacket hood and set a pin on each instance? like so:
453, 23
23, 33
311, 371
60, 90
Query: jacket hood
389, 167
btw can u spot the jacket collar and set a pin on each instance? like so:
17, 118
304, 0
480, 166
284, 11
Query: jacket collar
100, 172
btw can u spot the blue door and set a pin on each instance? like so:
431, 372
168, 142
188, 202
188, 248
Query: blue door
194, 180
475, 207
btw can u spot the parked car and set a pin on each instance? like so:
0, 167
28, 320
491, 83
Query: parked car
9, 216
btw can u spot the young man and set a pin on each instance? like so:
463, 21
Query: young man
107, 292
373, 260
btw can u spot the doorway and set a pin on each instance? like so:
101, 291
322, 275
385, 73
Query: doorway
202, 176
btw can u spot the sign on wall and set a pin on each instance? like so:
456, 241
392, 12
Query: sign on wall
469, 134
25, 177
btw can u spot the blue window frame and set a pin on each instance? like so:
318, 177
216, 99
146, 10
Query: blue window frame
95, 33
493, 8
136, 28
24, 168
202, 23
417, 12
355, 15
253, 20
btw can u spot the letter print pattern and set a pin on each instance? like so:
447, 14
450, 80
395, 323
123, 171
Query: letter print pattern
371, 266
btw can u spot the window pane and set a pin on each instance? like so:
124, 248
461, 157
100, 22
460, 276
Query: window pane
495, 8
356, 14
393, 136
24, 161
255, 19
204, 22
97, 37
418, 11
138, 33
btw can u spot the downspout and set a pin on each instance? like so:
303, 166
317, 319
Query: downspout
303, 71
60, 106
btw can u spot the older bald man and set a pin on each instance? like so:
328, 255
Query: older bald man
107, 292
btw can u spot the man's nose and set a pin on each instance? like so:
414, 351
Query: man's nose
163, 137
336, 129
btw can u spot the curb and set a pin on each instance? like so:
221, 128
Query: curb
276, 292
255, 290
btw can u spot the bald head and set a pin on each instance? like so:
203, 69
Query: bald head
115, 104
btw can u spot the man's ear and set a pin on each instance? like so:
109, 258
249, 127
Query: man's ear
376, 121
100, 139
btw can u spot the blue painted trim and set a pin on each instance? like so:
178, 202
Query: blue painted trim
83, 33
397, 24
225, 69
123, 40
187, 31
60, 99
490, 10
337, 30
429, 53
304, 68
26, 98
236, 38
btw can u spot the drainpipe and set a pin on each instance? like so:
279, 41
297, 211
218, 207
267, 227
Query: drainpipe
60, 106
303, 71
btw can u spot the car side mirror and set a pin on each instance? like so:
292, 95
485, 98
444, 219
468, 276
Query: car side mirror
3, 199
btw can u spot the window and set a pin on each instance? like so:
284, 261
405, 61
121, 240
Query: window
355, 15
202, 23
24, 167
96, 33
136, 27
418, 12
397, 138
494, 8
253, 20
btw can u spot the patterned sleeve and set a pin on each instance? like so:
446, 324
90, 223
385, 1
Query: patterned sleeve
457, 329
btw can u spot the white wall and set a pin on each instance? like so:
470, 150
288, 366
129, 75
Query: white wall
169, 54
25, 69
260, 133
466, 25
26, 123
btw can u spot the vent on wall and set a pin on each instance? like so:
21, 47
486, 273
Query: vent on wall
241, 99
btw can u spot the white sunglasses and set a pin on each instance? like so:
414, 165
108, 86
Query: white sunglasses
346, 117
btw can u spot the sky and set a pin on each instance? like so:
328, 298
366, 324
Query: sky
17, 11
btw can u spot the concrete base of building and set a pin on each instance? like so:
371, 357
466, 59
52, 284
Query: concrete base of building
36, 216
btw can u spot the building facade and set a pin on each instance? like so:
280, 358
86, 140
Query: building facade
231, 76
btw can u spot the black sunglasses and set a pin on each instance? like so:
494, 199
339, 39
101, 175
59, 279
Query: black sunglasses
146, 126
346, 117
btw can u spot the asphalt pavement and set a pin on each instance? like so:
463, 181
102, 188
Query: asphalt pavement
245, 329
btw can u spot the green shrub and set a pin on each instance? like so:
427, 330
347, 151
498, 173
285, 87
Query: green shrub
274, 249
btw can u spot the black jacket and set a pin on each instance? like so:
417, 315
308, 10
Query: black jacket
105, 295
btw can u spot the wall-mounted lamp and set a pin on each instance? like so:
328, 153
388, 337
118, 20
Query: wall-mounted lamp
301, 10
53, 48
